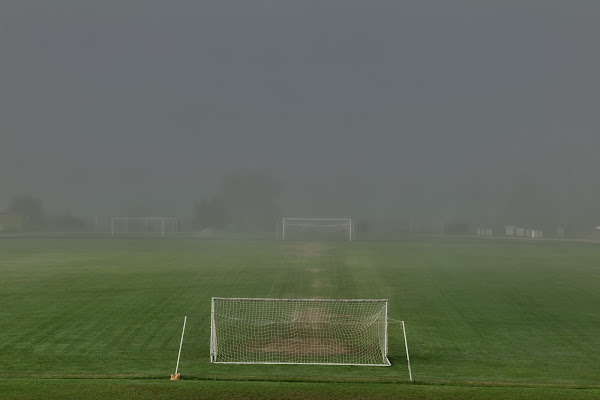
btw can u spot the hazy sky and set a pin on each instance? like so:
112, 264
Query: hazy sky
361, 108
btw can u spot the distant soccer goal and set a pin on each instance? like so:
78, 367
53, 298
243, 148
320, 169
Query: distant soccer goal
299, 331
157, 226
317, 229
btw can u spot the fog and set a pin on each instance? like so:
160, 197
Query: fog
434, 109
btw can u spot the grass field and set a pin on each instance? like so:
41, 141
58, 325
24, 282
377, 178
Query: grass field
484, 319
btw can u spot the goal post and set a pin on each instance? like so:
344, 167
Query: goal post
317, 229
299, 331
160, 226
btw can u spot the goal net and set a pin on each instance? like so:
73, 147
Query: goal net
158, 226
317, 229
299, 331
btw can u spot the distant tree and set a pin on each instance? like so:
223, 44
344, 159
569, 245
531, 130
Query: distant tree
456, 228
66, 221
211, 213
33, 209
243, 201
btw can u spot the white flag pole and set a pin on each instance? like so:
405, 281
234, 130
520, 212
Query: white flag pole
406, 346
180, 344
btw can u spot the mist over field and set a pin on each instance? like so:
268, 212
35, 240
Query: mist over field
483, 111
189, 185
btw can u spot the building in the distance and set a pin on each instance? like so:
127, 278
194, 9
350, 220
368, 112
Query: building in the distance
11, 221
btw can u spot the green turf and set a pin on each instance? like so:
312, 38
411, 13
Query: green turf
93, 389
476, 312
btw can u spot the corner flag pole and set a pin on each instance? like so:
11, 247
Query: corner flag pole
406, 346
180, 344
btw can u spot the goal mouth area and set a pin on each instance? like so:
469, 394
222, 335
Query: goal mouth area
299, 331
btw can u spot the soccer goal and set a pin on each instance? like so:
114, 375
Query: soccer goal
299, 331
158, 226
317, 229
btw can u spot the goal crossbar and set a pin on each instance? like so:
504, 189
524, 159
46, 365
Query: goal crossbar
303, 300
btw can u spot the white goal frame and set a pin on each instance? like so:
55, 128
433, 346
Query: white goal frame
381, 342
163, 221
318, 223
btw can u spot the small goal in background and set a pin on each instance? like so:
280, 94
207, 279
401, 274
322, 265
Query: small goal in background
316, 229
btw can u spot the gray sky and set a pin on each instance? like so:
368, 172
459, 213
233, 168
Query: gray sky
361, 108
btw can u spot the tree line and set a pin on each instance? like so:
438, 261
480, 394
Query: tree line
243, 201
